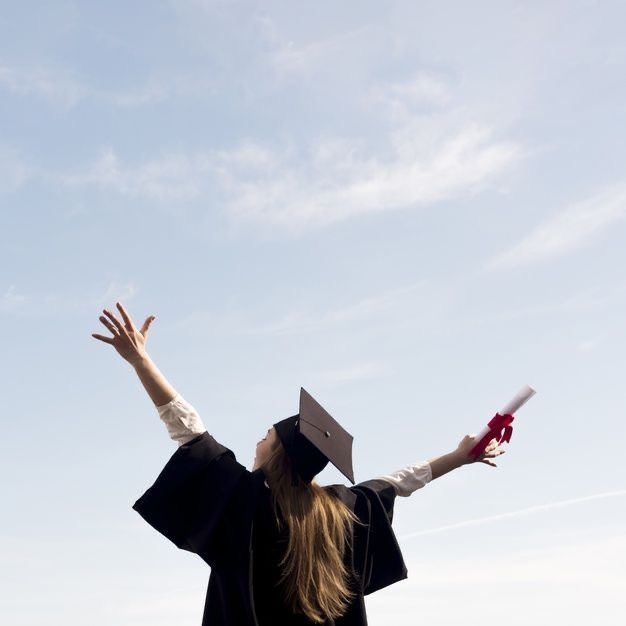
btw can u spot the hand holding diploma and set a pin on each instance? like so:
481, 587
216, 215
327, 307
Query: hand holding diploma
499, 429
462, 453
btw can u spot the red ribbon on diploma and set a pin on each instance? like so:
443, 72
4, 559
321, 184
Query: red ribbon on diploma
496, 425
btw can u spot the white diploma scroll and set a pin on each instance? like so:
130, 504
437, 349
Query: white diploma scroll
520, 399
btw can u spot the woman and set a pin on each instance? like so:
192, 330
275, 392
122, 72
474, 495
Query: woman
283, 550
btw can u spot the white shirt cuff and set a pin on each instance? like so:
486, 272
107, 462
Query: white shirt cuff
181, 420
410, 478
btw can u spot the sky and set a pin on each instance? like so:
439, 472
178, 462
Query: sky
410, 209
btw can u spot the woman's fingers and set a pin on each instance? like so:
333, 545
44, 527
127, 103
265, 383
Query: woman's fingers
126, 317
101, 338
492, 447
495, 453
126, 340
114, 319
487, 457
146, 325
108, 324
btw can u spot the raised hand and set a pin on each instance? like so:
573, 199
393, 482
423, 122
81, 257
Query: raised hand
468, 442
127, 340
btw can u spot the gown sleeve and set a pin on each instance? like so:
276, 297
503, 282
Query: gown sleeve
382, 559
379, 556
188, 499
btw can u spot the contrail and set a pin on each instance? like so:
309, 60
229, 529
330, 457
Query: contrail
530, 509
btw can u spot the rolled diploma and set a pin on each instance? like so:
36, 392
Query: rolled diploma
520, 399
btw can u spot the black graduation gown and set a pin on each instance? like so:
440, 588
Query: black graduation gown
206, 502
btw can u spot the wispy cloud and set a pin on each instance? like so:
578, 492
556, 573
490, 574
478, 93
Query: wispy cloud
166, 178
14, 172
386, 305
336, 180
402, 98
566, 575
525, 511
55, 86
561, 583
149, 93
365, 309
14, 302
294, 187
59, 88
545, 564
114, 292
576, 226
591, 300
289, 58
587, 345
330, 180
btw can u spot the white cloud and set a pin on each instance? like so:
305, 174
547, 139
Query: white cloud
54, 86
543, 565
336, 180
394, 302
571, 577
139, 96
246, 155
419, 161
572, 584
332, 180
402, 98
510, 514
568, 230
592, 300
164, 178
300, 322
421, 88
12, 301
587, 345
38, 304
14, 172
115, 292
59, 88
291, 58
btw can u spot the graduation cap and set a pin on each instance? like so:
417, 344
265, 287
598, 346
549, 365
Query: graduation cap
312, 438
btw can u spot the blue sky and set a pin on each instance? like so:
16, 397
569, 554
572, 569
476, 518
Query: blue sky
409, 209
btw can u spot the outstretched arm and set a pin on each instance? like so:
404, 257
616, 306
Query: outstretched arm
414, 477
180, 418
443, 464
159, 390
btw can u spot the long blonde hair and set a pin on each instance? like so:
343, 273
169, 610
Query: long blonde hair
314, 578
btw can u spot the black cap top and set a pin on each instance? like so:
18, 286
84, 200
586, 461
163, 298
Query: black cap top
312, 438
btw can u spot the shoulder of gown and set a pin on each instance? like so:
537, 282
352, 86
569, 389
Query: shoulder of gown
188, 499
